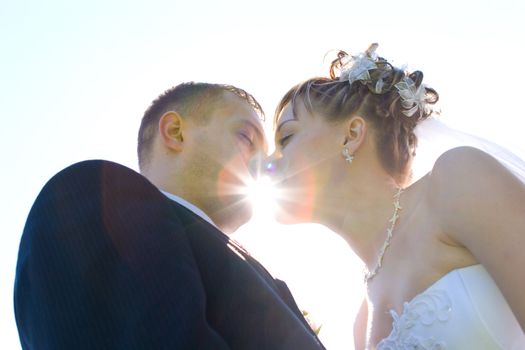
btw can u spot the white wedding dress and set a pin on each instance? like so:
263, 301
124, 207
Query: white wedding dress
464, 310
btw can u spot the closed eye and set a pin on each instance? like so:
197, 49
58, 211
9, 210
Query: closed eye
246, 138
283, 141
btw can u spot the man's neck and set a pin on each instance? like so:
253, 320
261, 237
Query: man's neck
187, 204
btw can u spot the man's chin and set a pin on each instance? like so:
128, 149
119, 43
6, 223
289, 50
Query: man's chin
234, 215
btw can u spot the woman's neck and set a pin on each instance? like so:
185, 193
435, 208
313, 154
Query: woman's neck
360, 214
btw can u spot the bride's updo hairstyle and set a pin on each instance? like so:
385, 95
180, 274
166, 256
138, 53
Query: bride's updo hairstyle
392, 100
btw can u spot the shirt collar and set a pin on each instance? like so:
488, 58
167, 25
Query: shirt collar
189, 206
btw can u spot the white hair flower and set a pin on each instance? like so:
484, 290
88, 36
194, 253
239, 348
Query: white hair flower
413, 98
357, 67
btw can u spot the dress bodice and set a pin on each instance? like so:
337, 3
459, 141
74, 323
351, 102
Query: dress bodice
464, 309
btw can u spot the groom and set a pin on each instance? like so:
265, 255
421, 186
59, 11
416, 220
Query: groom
110, 259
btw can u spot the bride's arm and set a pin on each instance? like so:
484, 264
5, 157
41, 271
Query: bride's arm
481, 205
360, 325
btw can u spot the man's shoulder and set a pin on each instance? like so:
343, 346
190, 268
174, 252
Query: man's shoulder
97, 179
96, 165
97, 170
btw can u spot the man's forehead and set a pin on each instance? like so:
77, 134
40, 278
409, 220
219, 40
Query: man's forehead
257, 122
227, 109
248, 101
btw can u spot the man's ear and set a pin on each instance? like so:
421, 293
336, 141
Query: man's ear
356, 130
171, 131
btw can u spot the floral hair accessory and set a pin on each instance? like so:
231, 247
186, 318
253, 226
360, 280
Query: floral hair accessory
357, 67
413, 98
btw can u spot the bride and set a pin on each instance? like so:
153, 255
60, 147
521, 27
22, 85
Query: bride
443, 254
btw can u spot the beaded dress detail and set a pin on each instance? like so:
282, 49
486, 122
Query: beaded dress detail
462, 310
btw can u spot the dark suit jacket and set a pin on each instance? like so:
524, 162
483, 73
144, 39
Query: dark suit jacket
106, 261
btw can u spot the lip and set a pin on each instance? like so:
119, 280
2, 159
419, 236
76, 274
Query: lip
276, 170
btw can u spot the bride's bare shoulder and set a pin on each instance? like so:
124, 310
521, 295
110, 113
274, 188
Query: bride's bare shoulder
464, 175
462, 164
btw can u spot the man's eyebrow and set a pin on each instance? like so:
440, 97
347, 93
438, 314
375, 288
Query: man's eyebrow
260, 135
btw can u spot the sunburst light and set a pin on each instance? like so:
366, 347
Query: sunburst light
262, 194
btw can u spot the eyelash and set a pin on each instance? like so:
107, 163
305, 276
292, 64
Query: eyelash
282, 141
246, 137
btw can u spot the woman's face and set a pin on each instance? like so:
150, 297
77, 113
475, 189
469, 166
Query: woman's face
306, 163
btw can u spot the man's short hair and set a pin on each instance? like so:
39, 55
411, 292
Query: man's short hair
190, 100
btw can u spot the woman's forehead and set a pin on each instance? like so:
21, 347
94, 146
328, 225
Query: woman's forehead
293, 110
299, 110
287, 113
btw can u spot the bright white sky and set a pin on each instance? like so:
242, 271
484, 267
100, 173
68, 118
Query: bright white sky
75, 78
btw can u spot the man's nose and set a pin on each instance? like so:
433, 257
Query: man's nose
256, 165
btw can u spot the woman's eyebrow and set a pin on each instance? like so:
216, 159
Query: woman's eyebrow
286, 121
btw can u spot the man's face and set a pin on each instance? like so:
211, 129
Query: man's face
219, 154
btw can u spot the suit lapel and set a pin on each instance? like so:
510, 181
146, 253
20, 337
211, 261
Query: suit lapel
278, 287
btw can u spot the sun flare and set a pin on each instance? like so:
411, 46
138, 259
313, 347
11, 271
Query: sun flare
262, 194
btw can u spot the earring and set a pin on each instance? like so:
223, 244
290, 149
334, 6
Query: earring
347, 156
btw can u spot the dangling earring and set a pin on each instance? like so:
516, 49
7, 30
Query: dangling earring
347, 156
